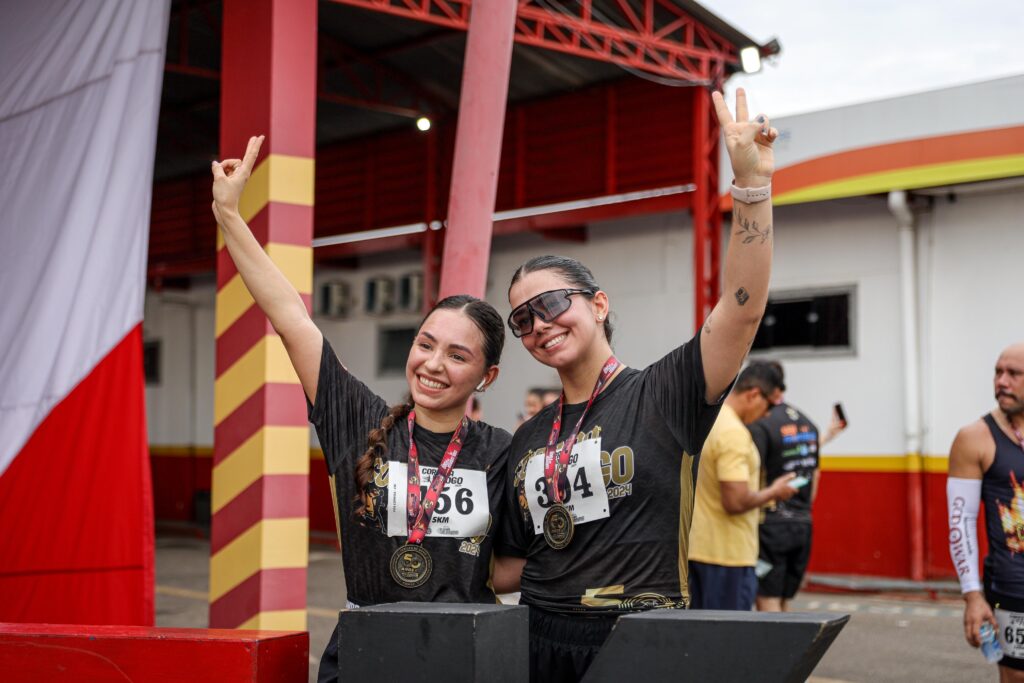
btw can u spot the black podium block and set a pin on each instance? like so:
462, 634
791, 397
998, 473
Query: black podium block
417, 641
707, 646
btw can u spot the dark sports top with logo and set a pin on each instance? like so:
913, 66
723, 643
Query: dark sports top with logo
1003, 496
651, 423
788, 442
344, 413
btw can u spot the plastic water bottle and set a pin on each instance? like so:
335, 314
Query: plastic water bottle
989, 643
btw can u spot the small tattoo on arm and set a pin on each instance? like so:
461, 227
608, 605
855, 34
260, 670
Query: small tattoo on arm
742, 296
750, 231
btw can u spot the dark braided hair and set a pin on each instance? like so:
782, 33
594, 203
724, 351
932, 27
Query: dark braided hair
491, 326
572, 271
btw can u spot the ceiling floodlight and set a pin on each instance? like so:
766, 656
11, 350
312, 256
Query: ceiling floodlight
750, 58
423, 123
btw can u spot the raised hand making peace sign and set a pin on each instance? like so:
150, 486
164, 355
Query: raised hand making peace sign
749, 142
229, 178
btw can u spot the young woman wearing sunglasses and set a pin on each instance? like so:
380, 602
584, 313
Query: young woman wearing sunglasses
605, 476
442, 472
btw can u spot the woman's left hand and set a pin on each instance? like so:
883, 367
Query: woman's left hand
749, 143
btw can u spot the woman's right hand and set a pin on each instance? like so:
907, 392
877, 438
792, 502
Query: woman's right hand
229, 178
749, 143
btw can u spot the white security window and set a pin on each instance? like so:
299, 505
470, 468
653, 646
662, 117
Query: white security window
808, 321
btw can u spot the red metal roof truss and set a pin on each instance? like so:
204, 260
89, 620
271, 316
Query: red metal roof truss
658, 37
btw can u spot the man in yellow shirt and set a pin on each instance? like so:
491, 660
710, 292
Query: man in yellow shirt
723, 537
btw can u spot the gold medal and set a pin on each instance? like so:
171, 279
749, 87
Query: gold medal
411, 566
558, 526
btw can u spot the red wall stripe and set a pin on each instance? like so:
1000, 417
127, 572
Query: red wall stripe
177, 478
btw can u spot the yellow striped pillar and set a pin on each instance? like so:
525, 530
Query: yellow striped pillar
260, 499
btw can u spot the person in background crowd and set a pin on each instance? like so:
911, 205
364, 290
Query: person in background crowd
986, 465
536, 398
723, 538
788, 443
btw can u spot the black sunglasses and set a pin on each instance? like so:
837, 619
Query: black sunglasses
547, 306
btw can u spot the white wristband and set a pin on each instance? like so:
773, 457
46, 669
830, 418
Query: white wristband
963, 498
751, 195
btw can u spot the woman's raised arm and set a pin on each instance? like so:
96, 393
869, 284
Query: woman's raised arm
271, 290
729, 329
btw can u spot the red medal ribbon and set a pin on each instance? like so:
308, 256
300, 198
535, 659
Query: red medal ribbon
551, 463
419, 517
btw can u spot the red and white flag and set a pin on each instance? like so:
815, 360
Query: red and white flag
79, 102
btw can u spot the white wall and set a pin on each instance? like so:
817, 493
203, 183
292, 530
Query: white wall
179, 409
975, 281
851, 242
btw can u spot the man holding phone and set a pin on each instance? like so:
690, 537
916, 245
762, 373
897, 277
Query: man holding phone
728, 497
788, 443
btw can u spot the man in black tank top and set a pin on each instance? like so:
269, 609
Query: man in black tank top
986, 465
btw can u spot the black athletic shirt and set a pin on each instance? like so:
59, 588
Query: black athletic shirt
344, 413
788, 442
652, 424
1003, 496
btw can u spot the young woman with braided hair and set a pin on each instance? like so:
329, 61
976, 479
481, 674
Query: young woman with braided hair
418, 485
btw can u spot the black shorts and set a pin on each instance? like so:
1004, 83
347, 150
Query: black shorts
328, 669
786, 546
563, 647
1000, 601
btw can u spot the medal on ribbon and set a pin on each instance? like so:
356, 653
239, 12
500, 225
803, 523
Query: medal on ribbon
558, 522
411, 564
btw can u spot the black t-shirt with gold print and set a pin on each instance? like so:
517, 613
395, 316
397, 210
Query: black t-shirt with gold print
631, 484
461, 533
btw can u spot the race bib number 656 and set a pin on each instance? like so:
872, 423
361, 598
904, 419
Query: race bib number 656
462, 509
587, 499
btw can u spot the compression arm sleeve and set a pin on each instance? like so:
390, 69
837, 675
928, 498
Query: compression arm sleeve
963, 497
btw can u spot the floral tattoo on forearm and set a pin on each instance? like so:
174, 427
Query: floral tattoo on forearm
750, 231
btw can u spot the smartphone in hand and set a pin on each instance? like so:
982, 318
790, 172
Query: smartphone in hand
840, 413
798, 482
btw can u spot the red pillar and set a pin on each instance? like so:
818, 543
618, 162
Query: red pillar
259, 534
707, 219
467, 246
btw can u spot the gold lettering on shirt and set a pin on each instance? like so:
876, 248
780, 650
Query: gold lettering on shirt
594, 596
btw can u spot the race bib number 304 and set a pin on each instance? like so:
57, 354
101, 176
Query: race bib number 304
1011, 632
587, 500
462, 508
